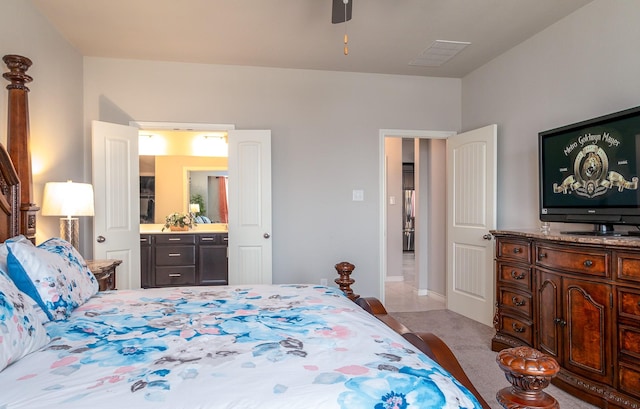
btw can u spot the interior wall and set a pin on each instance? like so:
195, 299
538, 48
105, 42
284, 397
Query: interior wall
325, 143
55, 106
579, 68
394, 202
436, 268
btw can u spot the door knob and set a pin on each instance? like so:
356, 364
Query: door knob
266, 235
487, 236
101, 239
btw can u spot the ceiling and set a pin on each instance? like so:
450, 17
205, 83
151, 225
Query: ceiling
384, 35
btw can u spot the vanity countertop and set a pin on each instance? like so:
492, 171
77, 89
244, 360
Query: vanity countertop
200, 228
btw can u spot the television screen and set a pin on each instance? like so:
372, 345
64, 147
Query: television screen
589, 170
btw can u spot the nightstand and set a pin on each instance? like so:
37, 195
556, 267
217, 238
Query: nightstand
105, 272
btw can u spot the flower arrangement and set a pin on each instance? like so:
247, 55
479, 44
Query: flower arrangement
179, 221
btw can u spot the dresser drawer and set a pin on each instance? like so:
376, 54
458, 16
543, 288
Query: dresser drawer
627, 266
630, 379
510, 249
167, 276
591, 262
513, 274
175, 255
629, 340
515, 300
175, 238
629, 304
517, 328
215, 238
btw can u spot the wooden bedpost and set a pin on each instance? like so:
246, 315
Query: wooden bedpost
18, 138
345, 269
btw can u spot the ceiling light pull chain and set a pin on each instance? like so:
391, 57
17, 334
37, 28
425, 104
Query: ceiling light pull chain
346, 37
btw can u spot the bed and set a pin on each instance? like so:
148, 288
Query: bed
64, 344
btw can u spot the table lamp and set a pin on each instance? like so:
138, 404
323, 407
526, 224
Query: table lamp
194, 208
68, 199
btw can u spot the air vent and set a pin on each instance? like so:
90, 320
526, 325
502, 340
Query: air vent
438, 53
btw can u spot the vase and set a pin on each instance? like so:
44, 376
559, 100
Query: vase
178, 228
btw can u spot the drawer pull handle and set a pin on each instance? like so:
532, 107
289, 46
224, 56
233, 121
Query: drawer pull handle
516, 302
174, 239
542, 256
517, 329
225, 239
174, 254
517, 276
560, 322
143, 240
175, 275
588, 263
206, 238
517, 250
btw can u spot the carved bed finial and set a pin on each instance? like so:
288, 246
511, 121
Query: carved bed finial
529, 371
345, 269
18, 66
18, 143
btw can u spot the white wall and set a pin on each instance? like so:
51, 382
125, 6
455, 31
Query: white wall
584, 66
393, 156
325, 141
436, 178
55, 103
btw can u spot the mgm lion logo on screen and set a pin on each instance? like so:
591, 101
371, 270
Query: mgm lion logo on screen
591, 175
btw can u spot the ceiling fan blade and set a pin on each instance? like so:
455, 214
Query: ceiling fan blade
337, 11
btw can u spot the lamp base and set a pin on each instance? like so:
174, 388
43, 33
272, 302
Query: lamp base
70, 230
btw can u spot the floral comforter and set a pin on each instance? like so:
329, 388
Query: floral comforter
281, 346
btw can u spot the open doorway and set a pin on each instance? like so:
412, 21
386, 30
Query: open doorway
414, 219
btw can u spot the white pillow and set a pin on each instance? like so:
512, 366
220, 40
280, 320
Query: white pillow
54, 274
21, 331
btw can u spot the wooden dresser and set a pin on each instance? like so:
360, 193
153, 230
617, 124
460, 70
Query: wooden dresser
576, 298
183, 259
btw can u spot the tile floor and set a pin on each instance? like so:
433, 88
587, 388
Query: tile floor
402, 296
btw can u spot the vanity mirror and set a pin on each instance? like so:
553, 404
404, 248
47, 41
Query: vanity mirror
167, 183
208, 190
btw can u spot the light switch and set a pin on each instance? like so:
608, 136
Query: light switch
358, 195
392, 200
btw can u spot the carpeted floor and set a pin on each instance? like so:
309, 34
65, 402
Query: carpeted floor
470, 341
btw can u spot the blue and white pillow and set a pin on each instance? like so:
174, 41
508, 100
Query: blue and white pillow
54, 274
21, 330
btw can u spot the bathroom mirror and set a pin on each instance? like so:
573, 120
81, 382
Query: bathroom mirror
208, 191
165, 180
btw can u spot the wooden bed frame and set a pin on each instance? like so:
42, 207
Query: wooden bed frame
528, 370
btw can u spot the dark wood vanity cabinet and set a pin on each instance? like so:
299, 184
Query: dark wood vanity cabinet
145, 260
576, 298
183, 259
213, 259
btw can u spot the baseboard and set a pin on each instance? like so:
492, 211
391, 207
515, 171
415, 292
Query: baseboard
437, 297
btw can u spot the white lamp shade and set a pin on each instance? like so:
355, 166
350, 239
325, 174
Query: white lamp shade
67, 199
194, 208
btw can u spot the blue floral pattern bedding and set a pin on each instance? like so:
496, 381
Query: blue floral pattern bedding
281, 346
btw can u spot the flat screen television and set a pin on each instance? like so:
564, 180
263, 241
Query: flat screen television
589, 172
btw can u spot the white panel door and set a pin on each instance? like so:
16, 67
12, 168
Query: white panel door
250, 248
116, 224
471, 199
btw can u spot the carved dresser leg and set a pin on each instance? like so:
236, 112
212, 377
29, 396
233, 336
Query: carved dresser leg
529, 371
345, 269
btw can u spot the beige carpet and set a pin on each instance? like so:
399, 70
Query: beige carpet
470, 341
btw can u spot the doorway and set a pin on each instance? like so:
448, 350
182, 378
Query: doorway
413, 246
